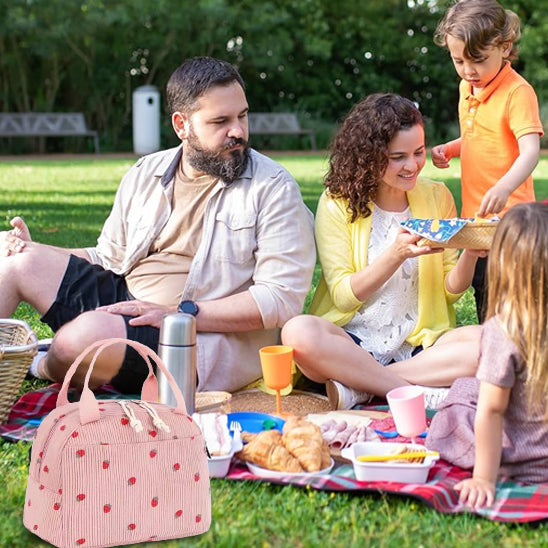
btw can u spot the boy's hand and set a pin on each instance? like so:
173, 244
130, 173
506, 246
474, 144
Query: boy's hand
494, 200
476, 492
439, 157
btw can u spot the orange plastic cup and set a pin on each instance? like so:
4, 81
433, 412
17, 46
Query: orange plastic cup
276, 364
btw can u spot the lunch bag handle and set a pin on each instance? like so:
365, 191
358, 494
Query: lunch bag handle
89, 408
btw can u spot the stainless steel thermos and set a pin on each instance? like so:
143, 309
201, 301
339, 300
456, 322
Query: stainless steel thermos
177, 349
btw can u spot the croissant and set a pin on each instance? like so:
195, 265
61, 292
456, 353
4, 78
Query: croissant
304, 440
267, 451
326, 456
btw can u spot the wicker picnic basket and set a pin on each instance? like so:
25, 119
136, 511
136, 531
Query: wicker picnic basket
476, 235
18, 345
211, 402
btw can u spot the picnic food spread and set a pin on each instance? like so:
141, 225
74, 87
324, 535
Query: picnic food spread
304, 446
300, 448
342, 429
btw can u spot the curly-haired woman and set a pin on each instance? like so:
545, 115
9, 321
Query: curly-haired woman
382, 315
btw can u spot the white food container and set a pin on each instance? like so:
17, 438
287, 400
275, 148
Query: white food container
411, 472
219, 465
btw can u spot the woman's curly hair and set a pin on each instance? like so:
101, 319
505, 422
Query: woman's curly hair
359, 152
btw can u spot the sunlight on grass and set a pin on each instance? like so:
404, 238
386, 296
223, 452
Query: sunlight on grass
66, 203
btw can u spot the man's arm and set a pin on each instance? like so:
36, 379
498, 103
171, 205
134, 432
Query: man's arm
234, 313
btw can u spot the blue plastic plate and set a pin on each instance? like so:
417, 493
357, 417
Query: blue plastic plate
256, 422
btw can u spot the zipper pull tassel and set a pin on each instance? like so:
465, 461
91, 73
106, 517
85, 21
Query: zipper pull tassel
134, 422
156, 419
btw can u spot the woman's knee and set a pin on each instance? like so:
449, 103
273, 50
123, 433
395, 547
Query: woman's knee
300, 332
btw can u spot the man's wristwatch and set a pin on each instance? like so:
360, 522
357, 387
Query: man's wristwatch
188, 307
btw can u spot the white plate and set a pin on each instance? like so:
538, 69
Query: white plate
274, 474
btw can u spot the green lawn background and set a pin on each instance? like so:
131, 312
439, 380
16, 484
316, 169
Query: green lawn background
65, 203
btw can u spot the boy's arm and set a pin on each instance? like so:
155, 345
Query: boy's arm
441, 154
496, 197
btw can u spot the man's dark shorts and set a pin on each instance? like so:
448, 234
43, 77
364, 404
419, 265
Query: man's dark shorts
85, 287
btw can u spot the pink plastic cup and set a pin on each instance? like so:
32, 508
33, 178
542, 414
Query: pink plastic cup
407, 408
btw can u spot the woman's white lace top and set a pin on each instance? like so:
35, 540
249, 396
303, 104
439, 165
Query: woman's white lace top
387, 318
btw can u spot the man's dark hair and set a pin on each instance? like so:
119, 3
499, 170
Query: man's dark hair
196, 76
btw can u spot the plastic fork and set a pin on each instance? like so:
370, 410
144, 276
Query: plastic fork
236, 428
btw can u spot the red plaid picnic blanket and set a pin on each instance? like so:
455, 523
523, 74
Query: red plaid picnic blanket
514, 502
29, 410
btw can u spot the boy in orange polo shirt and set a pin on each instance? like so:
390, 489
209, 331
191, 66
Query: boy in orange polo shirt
498, 113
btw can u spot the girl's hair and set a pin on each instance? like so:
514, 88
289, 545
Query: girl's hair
517, 271
479, 24
359, 152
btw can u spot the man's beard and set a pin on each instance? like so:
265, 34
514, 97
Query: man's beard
213, 163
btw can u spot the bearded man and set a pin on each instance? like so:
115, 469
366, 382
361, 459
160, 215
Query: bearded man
211, 228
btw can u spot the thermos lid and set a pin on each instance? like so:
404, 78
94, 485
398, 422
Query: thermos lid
178, 330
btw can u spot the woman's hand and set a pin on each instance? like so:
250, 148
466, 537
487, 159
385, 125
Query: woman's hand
405, 246
145, 313
476, 492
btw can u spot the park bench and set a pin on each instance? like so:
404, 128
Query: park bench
46, 124
278, 123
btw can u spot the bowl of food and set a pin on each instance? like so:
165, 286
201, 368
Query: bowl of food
382, 461
219, 465
220, 444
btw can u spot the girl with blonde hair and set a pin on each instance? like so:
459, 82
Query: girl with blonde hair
497, 423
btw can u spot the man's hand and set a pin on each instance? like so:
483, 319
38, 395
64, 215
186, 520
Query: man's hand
145, 313
439, 157
13, 241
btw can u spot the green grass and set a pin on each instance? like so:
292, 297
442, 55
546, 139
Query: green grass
65, 203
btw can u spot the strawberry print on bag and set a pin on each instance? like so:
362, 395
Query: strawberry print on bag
134, 472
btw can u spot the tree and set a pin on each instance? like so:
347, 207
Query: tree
313, 57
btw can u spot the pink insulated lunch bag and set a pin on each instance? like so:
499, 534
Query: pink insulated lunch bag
106, 473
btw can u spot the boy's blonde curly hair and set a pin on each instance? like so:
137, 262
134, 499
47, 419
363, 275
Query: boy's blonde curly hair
480, 24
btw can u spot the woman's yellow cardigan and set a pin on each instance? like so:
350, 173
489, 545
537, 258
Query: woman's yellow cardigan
342, 250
